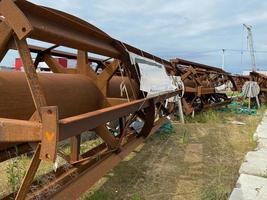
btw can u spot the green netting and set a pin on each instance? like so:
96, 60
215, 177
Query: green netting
167, 128
239, 108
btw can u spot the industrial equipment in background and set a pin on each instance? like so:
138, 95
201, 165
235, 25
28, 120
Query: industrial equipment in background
205, 86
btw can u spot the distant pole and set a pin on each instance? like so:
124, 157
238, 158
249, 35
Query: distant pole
251, 47
223, 51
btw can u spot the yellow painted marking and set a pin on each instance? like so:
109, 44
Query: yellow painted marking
49, 136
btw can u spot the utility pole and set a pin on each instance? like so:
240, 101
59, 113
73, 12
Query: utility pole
223, 51
251, 47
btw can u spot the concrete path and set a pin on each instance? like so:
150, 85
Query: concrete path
252, 183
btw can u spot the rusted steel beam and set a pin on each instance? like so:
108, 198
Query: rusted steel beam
202, 91
6, 35
196, 65
31, 75
93, 119
12, 130
27, 180
52, 26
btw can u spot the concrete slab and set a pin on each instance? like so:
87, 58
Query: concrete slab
262, 144
255, 164
252, 187
261, 154
236, 194
252, 183
261, 132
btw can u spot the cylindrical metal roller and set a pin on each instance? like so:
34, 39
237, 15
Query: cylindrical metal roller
73, 94
116, 90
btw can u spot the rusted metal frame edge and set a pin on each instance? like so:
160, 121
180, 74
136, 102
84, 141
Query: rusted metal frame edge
54, 52
105, 76
13, 130
93, 119
194, 64
31, 75
83, 65
28, 178
6, 35
200, 90
55, 66
66, 30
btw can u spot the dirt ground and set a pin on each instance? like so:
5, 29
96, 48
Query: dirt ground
196, 161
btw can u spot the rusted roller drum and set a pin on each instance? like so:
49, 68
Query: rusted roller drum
73, 94
116, 90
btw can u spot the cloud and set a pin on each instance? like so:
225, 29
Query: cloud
192, 29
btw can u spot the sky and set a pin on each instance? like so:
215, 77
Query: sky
195, 30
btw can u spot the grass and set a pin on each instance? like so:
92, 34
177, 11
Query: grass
197, 160
99, 195
15, 171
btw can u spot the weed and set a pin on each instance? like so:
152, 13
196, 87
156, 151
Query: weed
214, 191
136, 197
15, 171
184, 137
99, 195
205, 117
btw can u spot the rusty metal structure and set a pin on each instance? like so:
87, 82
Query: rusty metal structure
201, 83
261, 79
240, 81
36, 117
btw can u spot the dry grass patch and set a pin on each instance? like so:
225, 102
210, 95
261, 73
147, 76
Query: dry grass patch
199, 161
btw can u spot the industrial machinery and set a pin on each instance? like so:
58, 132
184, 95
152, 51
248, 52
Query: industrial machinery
261, 79
205, 86
106, 97
239, 81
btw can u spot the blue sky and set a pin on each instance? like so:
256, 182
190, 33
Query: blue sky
191, 29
